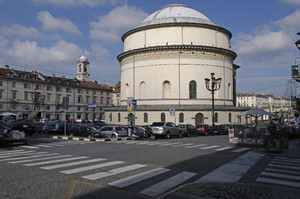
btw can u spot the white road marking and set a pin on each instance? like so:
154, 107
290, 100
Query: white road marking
210, 147
188, 144
240, 150
72, 164
16, 154
25, 157
280, 175
279, 182
39, 159
55, 161
96, 166
194, 146
234, 170
138, 178
167, 184
283, 171
284, 167
96, 176
224, 148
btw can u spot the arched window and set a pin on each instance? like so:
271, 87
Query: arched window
119, 117
216, 117
142, 90
193, 89
145, 117
166, 89
163, 117
229, 117
181, 118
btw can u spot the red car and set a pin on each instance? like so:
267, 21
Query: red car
204, 129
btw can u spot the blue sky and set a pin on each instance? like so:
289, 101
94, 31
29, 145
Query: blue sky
49, 36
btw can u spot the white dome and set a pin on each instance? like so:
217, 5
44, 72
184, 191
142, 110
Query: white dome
176, 13
83, 57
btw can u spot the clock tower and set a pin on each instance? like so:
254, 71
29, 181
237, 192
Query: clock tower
83, 69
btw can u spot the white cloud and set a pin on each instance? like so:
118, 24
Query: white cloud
266, 41
110, 26
291, 2
30, 52
70, 3
17, 29
290, 22
51, 23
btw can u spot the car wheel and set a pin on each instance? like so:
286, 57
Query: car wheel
152, 137
46, 131
168, 136
180, 135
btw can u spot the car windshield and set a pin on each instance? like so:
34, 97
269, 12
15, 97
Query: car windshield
157, 124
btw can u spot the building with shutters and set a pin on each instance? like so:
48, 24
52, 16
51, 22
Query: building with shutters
34, 95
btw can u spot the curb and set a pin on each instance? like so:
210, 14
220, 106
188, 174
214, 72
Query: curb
90, 139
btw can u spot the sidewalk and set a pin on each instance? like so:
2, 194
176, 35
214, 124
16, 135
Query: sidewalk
214, 190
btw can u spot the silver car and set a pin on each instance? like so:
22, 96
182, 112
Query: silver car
113, 131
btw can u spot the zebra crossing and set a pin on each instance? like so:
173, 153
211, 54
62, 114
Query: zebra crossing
96, 169
55, 144
184, 145
282, 171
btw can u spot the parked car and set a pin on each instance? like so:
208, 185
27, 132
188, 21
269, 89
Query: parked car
40, 127
140, 132
26, 126
113, 131
223, 129
84, 130
204, 129
8, 136
51, 128
188, 129
61, 128
165, 129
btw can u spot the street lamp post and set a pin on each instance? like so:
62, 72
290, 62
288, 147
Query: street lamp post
213, 84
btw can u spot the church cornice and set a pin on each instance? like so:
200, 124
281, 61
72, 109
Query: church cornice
182, 24
200, 48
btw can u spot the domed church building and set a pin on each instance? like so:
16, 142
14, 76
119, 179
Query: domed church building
164, 65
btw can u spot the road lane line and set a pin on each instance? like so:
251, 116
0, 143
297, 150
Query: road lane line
17, 154
39, 159
240, 150
280, 175
234, 170
284, 167
96, 166
96, 176
188, 144
25, 157
55, 161
224, 148
278, 182
194, 146
138, 178
209, 147
283, 171
167, 184
72, 164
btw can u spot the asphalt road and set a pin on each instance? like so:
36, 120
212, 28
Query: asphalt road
52, 168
